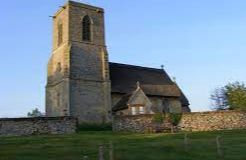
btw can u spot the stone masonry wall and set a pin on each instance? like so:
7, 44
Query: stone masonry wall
78, 75
36, 126
209, 121
197, 121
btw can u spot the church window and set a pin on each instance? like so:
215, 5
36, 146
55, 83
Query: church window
138, 109
58, 69
58, 100
134, 110
60, 36
141, 110
86, 30
166, 106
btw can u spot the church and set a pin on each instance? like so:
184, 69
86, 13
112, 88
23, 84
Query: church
81, 82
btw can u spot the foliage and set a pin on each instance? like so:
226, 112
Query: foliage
35, 113
127, 146
158, 118
232, 97
95, 127
219, 99
175, 118
236, 96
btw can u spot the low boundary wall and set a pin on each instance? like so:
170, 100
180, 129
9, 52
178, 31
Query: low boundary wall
196, 121
37, 125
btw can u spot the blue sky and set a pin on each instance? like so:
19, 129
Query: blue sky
200, 42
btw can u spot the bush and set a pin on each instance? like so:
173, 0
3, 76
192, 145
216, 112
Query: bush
175, 118
95, 127
158, 118
35, 113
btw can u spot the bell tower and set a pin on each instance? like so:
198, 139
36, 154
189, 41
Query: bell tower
78, 75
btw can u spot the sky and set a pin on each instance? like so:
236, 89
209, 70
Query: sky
202, 43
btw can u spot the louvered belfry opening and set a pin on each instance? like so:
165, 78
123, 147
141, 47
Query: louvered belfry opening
86, 24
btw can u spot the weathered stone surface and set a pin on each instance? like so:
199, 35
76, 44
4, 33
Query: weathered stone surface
36, 126
209, 121
138, 123
78, 82
197, 121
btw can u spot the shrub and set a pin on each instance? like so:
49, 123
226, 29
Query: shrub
158, 118
175, 118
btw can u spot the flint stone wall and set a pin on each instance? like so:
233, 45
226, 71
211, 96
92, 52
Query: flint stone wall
36, 126
196, 121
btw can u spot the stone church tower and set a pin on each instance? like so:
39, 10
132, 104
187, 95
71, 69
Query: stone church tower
78, 76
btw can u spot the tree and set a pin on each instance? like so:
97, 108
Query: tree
219, 99
35, 113
236, 95
230, 97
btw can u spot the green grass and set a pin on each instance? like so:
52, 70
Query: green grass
126, 146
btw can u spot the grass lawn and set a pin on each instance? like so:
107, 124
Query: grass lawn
126, 146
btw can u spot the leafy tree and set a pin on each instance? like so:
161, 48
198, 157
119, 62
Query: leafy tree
35, 113
230, 97
236, 95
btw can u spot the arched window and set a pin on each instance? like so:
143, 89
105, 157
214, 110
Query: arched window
58, 99
60, 36
86, 28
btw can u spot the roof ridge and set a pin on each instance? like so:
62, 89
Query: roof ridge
136, 66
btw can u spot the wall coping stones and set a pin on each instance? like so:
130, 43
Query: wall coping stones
37, 118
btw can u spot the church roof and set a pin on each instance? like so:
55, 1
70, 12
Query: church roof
122, 104
125, 74
131, 99
155, 82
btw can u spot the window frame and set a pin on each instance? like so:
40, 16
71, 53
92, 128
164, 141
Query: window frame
59, 34
138, 109
86, 29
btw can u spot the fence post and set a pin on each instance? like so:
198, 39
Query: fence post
111, 151
100, 154
219, 150
172, 130
186, 142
